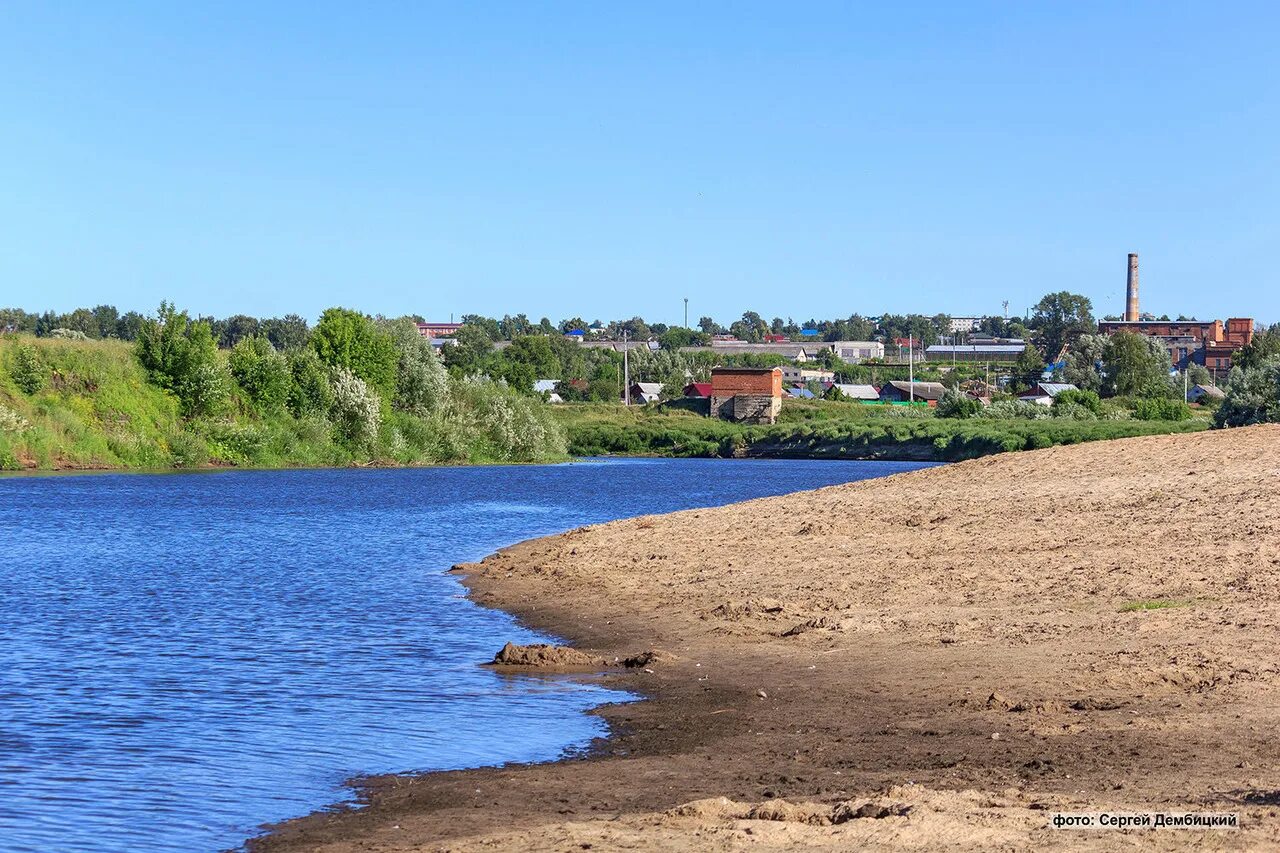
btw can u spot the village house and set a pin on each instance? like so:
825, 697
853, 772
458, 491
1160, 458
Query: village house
701, 390
548, 387
1044, 392
746, 394
793, 373
646, 392
865, 393
902, 392
1205, 394
856, 351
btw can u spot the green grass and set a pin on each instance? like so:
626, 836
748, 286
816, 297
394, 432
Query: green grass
1154, 604
830, 430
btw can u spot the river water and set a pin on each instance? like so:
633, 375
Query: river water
184, 657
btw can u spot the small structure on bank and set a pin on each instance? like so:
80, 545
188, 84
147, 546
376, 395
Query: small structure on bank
751, 395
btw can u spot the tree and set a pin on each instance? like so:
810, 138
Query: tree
235, 329
310, 392
1059, 319
1028, 368
710, 326
129, 325
1136, 366
422, 385
469, 354
106, 319
676, 337
348, 339
1084, 362
1253, 396
285, 333
487, 325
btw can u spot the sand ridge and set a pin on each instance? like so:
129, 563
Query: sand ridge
977, 645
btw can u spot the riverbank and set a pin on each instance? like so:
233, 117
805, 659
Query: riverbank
73, 405
830, 430
960, 651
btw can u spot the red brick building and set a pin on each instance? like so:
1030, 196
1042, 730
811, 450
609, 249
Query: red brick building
1208, 343
746, 394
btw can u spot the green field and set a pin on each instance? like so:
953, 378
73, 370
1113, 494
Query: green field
830, 430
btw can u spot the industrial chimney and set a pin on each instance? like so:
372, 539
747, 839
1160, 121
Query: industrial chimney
1131, 291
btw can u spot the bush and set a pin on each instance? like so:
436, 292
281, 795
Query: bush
1253, 396
310, 392
1160, 409
1016, 410
356, 409
182, 356
262, 372
957, 404
28, 370
1083, 399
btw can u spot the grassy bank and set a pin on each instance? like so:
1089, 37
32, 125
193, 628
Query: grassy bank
831, 431
90, 404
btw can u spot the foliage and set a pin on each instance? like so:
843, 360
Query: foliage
958, 405
263, 373
1088, 400
1136, 366
350, 340
1160, 409
28, 371
1253, 395
182, 357
1059, 319
310, 393
422, 385
356, 409
840, 432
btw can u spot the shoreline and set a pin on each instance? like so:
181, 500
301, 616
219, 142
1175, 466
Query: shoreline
957, 705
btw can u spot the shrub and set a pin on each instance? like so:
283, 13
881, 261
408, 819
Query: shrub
262, 372
957, 404
1016, 410
1253, 396
1082, 399
356, 410
182, 356
1160, 409
11, 421
28, 370
310, 392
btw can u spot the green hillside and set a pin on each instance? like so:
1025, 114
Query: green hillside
91, 404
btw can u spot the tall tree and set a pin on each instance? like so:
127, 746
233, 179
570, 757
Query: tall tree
1059, 318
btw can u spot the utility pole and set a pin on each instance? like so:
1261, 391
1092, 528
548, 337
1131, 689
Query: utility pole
686, 312
911, 366
626, 372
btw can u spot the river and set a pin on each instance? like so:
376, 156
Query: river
184, 657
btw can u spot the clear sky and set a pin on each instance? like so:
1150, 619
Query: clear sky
606, 159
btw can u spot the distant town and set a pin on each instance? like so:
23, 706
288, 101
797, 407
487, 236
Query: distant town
914, 358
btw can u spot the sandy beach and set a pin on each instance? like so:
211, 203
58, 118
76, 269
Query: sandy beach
934, 660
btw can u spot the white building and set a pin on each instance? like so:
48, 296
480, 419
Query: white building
855, 351
965, 324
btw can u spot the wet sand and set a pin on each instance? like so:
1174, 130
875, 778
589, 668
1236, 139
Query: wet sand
932, 660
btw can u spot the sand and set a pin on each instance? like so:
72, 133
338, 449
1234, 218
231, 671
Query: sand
934, 660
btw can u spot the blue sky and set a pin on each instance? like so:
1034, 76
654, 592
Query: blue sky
588, 159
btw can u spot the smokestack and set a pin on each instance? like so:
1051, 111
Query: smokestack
1131, 314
